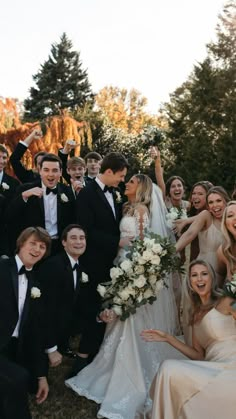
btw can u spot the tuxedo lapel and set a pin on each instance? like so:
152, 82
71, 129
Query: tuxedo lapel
104, 199
26, 306
14, 277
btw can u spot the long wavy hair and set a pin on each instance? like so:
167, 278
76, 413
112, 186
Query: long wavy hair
143, 194
229, 241
216, 293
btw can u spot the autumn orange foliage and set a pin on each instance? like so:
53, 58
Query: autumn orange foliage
59, 129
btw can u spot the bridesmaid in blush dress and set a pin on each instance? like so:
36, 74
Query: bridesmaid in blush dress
205, 386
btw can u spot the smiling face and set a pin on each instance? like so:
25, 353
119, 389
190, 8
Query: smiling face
76, 172
131, 187
32, 251
93, 167
216, 205
176, 190
198, 198
200, 280
230, 219
50, 173
75, 243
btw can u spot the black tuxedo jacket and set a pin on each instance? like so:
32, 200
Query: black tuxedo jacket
60, 297
31, 339
23, 174
22, 214
95, 214
6, 196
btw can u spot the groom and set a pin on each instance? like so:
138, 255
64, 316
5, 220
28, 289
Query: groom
99, 210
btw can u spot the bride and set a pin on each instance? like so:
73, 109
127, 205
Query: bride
120, 375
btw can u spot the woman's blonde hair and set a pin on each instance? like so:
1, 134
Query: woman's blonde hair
143, 193
216, 293
229, 241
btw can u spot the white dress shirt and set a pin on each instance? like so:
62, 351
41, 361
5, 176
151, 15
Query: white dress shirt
108, 196
50, 211
22, 290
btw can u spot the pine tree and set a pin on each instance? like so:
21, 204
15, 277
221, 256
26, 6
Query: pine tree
61, 83
202, 112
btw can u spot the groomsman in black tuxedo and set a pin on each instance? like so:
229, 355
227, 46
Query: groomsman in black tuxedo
22, 320
99, 210
61, 278
46, 203
93, 163
23, 174
8, 187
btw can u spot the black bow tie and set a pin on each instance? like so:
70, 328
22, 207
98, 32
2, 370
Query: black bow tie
75, 267
27, 273
49, 190
108, 188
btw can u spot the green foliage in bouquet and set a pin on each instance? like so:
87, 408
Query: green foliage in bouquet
138, 279
230, 290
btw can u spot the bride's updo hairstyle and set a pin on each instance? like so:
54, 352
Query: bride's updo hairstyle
143, 193
216, 293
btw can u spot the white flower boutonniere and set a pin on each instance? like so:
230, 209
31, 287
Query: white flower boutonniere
35, 292
118, 197
84, 277
5, 186
64, 198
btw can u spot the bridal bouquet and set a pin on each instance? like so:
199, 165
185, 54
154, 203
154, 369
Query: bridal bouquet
230, 290
138, 279
175, 214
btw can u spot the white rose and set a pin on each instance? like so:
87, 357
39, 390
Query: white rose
139, 269
35, 292
126, 265
101, 290
117, 310
155, 260
64, 198
148, 242
147, 255
115, 273
152, 279
84, 277
5, 186
140, 281
141, 261
157, 248
117, 300
124, 294
148, 293
169, 223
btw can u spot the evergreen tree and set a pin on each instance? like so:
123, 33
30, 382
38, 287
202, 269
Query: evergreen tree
61, 83
202, 113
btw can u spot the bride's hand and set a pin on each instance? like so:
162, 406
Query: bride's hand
107, 316
152, 335
125, 241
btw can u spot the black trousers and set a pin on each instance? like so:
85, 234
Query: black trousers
14, 384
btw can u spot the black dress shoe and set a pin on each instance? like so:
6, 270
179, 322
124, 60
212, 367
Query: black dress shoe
69, 353
78, 365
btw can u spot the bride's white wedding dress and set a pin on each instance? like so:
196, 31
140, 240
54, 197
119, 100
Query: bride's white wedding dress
120, 376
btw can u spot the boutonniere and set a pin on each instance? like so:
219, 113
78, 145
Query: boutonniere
5, 186
118, 197
64, 198
35, 292
84, 277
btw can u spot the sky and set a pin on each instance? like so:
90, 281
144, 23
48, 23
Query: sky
149, 45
